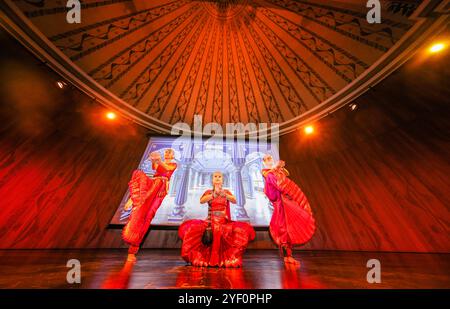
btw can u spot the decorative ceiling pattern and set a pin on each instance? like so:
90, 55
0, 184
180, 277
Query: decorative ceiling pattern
228, 61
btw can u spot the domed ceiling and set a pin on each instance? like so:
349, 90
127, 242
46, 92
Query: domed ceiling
276, 61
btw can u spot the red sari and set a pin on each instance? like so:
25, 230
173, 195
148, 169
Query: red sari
147, 195
230, 238
292, 221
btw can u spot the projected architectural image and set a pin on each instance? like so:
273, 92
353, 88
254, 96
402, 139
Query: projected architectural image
240, 163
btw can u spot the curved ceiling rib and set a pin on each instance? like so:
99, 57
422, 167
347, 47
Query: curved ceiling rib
274, 61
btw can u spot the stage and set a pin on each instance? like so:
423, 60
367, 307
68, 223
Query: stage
164, 269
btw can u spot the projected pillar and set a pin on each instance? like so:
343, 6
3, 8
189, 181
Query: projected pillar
251, 191
173, 184
192, 179
202, 179
238, 162
179, 211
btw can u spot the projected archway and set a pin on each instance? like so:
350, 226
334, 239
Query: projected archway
241, 164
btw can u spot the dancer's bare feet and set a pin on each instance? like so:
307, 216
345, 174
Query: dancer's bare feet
199, 263
291, 261
131, 257
236, 263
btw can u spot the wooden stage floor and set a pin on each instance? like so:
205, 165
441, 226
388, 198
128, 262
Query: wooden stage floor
105, 268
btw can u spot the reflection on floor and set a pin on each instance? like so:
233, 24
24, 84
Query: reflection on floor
262, 269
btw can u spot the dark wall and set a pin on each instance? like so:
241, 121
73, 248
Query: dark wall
378, 178
63, 166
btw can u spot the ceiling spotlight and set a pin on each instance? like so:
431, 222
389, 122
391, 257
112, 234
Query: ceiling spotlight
111, 115
309, 130
61, 84
437, 47
353, 106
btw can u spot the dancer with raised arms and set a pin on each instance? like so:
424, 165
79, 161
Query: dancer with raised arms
292, 222
146, 196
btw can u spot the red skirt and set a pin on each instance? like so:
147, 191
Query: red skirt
147, 195
230, 239
291, 223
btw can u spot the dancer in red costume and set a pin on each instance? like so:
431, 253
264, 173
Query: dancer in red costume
146, 195
292, 221
229, 238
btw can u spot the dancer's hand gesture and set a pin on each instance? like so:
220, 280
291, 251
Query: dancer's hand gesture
281, 164
155, 157
217, 191
128, 205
